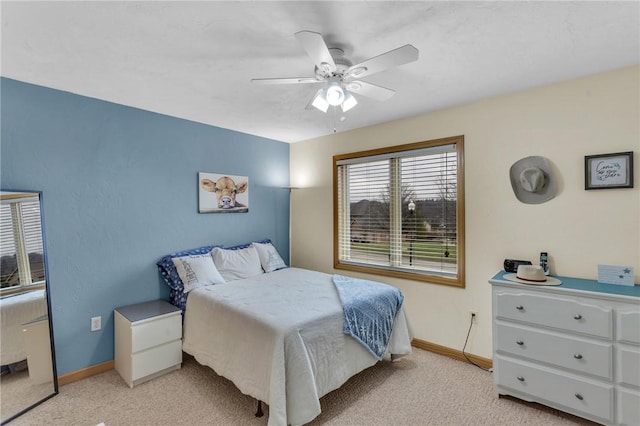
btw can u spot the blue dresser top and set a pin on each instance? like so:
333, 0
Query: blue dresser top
584, 285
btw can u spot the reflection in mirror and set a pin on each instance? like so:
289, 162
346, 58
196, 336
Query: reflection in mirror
27, 358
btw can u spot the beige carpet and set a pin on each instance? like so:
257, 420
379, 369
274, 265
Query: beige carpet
421, 389
18, 391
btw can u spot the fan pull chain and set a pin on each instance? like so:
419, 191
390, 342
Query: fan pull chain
333, 117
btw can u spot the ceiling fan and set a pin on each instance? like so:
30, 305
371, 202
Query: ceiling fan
339, 76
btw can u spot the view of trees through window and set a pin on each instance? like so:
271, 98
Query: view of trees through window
428, 229
399, 210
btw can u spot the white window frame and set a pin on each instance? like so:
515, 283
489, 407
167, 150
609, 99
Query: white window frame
397, 267
25, 228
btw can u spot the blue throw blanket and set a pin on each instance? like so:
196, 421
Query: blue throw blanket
370, 310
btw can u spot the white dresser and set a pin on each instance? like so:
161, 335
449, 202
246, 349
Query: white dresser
574, 347
148, 340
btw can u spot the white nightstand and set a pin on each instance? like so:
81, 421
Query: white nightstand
37, 344
148, 340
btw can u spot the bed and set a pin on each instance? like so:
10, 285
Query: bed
15, 311
280, 335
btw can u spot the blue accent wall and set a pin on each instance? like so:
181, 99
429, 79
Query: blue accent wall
120, 191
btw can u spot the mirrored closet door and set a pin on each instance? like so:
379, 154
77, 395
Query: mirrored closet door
27, 356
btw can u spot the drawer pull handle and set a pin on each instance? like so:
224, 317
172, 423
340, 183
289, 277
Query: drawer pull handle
519, 342
577, 356
519, 307
577, 317
521, 378
580, 397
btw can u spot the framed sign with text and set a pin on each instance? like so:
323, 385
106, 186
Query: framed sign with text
608, 171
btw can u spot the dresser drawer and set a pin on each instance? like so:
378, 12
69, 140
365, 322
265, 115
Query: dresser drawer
628, 366
555, 312
628, 407
580, 355
629, 326
156, 359
155, 331
565, 392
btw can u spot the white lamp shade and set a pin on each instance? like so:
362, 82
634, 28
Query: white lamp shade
320, 101
349, 102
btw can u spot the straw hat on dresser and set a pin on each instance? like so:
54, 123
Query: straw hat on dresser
531, 274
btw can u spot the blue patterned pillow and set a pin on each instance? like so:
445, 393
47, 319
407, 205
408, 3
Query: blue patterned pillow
178, 298
170, 274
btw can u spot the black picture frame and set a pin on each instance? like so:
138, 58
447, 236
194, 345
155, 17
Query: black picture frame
608, 171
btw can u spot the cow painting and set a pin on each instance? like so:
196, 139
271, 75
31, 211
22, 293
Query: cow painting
223, 193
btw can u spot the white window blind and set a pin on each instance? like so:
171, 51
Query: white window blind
399, 210
21, 248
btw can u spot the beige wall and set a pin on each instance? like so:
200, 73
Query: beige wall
580, 229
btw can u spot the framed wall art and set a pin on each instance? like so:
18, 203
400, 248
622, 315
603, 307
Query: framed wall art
218, 193
608, 171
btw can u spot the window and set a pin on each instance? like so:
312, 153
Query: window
399, 211
21, 248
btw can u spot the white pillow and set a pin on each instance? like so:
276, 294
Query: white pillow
237, 264
269, 257
197, 270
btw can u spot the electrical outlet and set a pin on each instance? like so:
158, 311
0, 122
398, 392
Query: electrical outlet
96, 323
473, 316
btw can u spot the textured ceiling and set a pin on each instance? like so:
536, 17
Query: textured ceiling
195, 60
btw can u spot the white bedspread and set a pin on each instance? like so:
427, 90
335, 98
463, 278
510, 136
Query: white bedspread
14, 312
279, 338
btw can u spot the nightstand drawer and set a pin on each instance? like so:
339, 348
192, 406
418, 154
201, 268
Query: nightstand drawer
555, 312
156, 359
155, 331
580, 355
589, 397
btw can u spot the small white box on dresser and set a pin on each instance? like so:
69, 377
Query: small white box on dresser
148, 340
574, 347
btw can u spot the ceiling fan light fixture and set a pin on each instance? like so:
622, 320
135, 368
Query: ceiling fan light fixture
335, 94
320, 101
349, 102
337, 74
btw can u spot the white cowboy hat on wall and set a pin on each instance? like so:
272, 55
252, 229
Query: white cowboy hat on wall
532, 180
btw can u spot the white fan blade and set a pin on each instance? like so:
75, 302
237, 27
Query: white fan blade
317, 49
369, 90
294, 80
393, 58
